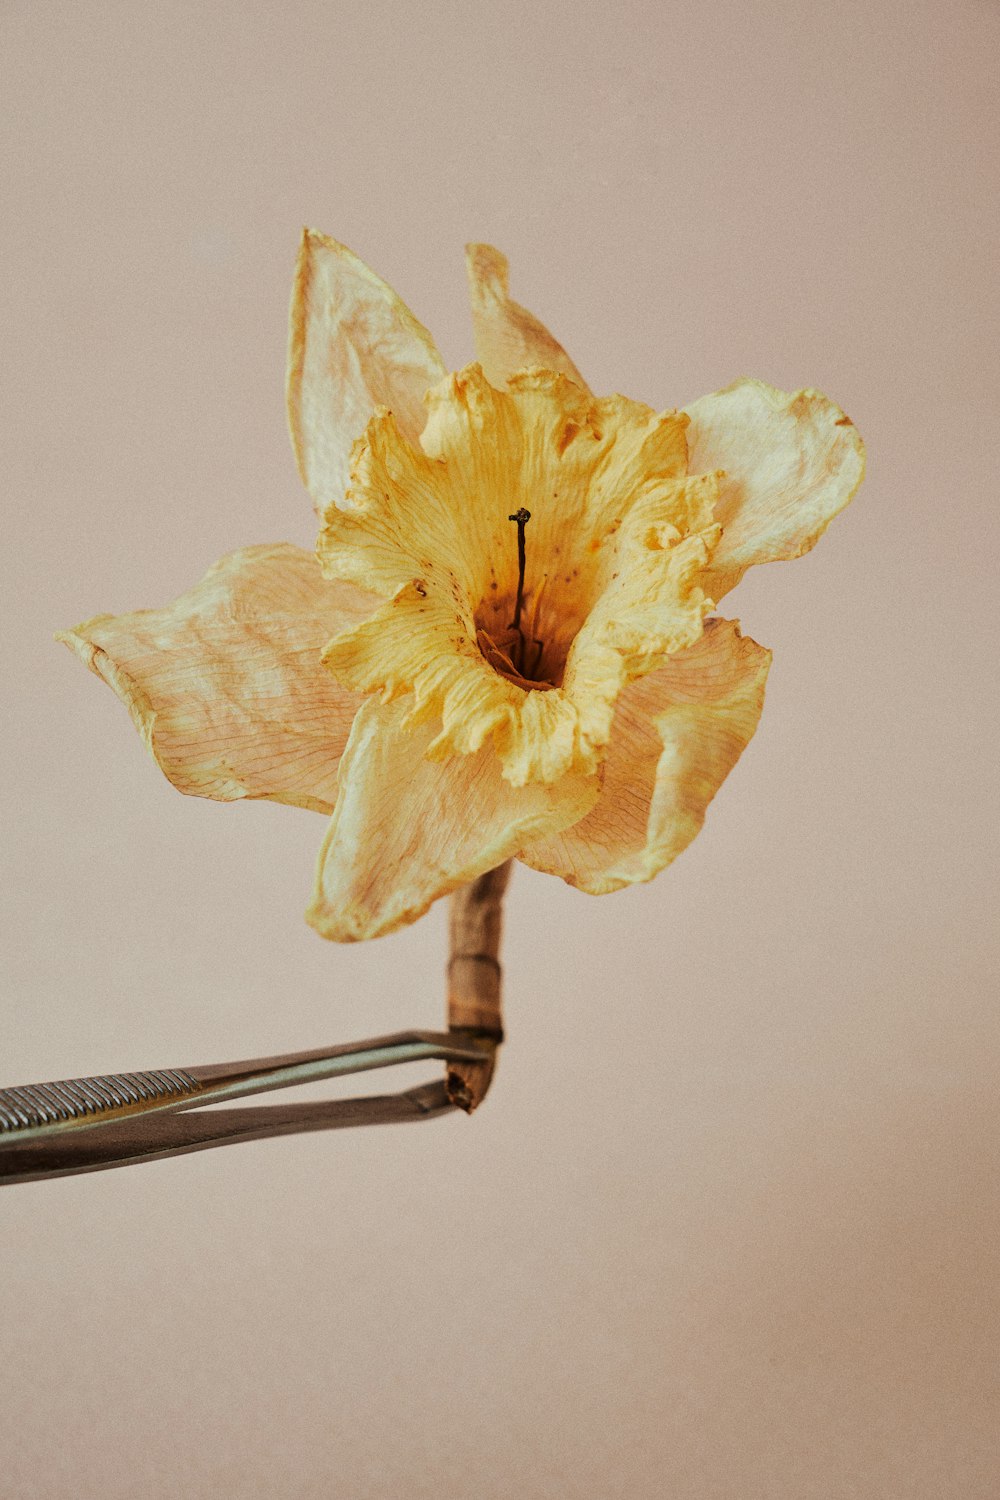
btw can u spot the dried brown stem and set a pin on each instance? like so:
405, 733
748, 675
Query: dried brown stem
474, 979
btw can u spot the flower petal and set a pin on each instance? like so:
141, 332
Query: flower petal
407, 830
677, 734
226, 686
353, 345
508, 337
791, 462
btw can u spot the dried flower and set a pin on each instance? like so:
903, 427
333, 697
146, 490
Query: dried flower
503, 647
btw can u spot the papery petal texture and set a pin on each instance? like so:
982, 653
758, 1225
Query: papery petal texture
619, 536
791, 461
677, 734
225, 685
507, 336
505, 643
353, 346
407, 829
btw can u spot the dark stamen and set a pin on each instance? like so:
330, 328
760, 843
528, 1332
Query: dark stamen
522, 517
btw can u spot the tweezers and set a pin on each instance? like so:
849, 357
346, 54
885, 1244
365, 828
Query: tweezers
119, 1119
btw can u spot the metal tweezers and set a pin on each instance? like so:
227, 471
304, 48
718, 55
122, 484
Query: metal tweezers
86, 1124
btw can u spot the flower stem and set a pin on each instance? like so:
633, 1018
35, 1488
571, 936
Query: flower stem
474, 979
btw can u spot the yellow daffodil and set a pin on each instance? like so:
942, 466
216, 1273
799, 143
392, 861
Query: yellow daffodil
503, 646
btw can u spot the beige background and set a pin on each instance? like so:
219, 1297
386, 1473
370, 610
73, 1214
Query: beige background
727, 1226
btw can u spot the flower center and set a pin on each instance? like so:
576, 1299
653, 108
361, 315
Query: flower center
522, 517
517, 651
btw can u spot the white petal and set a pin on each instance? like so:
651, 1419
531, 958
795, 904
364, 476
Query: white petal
677, 733
353, 345
791, 462
508, 337
226, 685
407, 830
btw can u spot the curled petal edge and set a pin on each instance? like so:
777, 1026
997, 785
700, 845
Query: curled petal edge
791, 462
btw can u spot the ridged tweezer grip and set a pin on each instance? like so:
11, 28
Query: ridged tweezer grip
31, 1105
